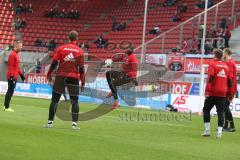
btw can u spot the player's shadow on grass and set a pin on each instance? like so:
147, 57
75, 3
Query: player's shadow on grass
64, 112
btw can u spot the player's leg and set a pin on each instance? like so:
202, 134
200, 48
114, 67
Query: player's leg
208, 105
57, 91
228, 118
110, 76
53, 106
220, 104
9, 94
119, 81
73, 89
65, 94
225, 126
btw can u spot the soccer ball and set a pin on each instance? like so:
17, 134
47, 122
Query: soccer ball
108, 62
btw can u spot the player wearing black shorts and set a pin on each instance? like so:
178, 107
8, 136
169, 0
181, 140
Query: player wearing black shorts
118, 78
70, 61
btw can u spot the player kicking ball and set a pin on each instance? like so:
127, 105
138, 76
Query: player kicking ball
12, 74
219, 82
119, 78
70, 61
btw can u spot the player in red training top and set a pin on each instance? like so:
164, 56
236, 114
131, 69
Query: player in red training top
228, 114
70, 61
218, 82
127, 75
12, 74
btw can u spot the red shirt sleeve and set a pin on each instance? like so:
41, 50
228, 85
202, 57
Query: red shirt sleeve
211, 73
11, 60
56, 55
234, 78
81, 67
11, 65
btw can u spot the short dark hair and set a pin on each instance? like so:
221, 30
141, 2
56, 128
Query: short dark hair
218, 53
73, 36
129, 50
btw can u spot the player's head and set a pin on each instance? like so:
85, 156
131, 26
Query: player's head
129, 50
218, 54
73, 36
227, 54
17, 46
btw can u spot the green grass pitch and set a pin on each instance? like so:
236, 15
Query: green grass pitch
110, 137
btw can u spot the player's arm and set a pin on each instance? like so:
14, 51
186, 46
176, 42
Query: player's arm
234, 78
11, 64
81, 71
20, 73
230, 85
210, 80
54, 64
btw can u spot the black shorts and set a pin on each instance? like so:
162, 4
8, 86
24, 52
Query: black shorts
61, 83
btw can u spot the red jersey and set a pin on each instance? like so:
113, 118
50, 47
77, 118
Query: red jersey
13, 65
232, 66
131, 66
70, 58
219, 75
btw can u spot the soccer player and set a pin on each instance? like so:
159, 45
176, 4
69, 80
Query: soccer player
227, 113
218, 82
12, 74
70, 61
118, 78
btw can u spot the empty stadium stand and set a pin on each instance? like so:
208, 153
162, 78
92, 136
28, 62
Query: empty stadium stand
6, 23
95, 20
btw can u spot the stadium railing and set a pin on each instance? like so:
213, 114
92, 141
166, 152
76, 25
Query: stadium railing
228, 9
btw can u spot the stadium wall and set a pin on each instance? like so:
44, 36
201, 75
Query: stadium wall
3, 67
96, 92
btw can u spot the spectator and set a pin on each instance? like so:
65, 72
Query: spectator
52, 45
184, 46
38, 67
71, 14
226, 35
219, 36
46, 13
18, 24
38, 43
24, 8
176, 17
208, 47
19, 8
76, 14
84, 46
200, 36
210, 3
29, 8
23, 23
114, 23
223, 23
169, 3
200, 4
122, 26
214, 36
62, 14
155, 31
101, 42
55, 7
183, 8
